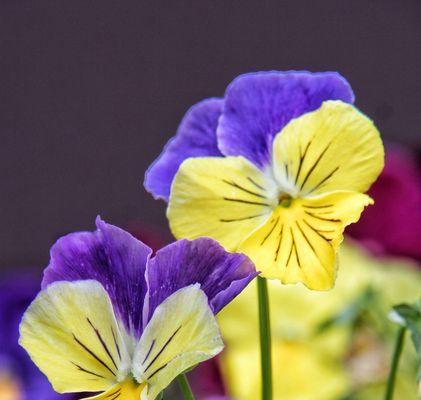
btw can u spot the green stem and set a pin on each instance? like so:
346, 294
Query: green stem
265, 341
395, 362
185, 387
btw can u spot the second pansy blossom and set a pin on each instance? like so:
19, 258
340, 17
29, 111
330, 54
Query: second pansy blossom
112, 319
277, 170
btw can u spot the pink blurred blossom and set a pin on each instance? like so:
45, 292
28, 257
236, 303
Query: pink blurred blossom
393, 225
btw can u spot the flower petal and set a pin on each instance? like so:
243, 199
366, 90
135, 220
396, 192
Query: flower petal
223, 198
221, 275
196, 137
258, 105
126, 390
333, 148
182, 332
71, 334
111, 256
299, 243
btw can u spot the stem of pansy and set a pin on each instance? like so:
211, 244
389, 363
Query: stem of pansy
395, 362
185, 387
265, 339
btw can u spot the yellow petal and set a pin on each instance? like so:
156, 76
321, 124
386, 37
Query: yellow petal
182, 332
71, 334
127, 390
299, 243
223, 198
333, 148
298, 369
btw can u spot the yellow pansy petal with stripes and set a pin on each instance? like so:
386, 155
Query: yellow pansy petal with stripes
71, 334
333, 148
126, 390
182, 332
222, 198
299, 242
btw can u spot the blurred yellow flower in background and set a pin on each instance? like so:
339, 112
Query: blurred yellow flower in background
332, 345
9, 387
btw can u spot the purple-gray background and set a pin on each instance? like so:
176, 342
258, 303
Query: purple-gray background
91, 90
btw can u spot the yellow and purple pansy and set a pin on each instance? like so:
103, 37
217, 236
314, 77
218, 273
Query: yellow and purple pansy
276, 170
113, 319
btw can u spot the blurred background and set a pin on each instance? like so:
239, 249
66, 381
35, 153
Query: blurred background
90, 91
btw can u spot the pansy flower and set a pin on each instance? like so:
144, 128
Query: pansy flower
276, 169
111, 319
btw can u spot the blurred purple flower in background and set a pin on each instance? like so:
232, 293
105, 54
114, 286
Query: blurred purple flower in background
393, 225
20, 379
206, 380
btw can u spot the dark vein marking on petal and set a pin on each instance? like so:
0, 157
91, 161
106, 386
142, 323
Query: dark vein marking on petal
92, 354
296, 252
279, 243
271, 230
302, 157
324, 206
255, 183
292, 246
237, 186
104, 345
114, 393
314, 165
156, 371
116, 396
321, 218
286, 171
241, 219
256, 203
324, 180
87, 371
163, 348
149, 351
319, 232
309, 243
116, 344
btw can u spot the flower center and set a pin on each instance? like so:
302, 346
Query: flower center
284, 200
131, 389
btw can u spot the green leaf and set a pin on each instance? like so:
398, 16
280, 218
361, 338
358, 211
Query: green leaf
350, 313
409, 315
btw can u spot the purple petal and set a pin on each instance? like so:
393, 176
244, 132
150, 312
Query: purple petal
222, 275
258, 105
196, 137
111, 256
